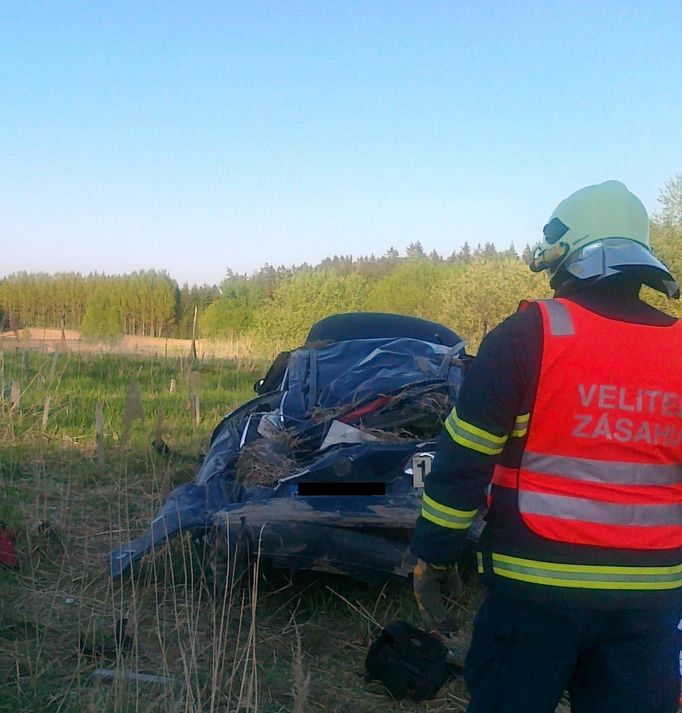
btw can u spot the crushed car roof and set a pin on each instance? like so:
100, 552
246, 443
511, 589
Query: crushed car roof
318, 470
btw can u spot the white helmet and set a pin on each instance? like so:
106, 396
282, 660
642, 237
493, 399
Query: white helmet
599, 231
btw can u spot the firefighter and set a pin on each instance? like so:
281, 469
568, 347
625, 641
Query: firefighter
568, 427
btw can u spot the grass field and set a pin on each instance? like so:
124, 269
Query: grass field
270, 644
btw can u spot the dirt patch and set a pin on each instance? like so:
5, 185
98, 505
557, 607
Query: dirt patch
51, 340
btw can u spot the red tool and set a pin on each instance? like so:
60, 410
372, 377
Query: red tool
8, 554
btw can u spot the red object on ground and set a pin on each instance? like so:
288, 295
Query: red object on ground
8, 555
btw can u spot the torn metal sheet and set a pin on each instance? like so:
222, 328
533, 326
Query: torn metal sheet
340, 432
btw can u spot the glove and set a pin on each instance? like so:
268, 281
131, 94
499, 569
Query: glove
431, 583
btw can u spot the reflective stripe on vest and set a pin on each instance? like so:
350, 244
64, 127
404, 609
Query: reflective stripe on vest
586, 576
587, 510
559, 318
596, 471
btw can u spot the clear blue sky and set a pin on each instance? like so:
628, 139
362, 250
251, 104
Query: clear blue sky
196, 136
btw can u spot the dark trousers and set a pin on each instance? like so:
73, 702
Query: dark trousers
524, 655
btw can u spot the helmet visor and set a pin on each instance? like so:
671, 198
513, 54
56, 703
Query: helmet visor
613, 255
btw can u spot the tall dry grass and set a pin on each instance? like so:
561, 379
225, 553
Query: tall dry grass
179, 636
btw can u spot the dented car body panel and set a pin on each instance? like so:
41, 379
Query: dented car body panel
317, 472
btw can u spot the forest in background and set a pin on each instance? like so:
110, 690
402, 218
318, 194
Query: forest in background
471, 291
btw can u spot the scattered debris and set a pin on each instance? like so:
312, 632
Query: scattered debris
45, 543
161, 447
160, 433
110, 674
340, 432
409, 662
105, 645
265, 461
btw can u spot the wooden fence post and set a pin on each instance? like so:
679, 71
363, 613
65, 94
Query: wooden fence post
132, 410
196, 410
99, 436
194, 333
15, 395
24, 366
160, 431
194, 397
53, 365
46, 413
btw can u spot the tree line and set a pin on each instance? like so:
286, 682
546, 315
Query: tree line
471, 291
145, 303
273, 303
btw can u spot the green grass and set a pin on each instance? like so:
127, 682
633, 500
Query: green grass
270, 644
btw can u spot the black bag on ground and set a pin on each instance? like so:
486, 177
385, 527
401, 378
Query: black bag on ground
409, 662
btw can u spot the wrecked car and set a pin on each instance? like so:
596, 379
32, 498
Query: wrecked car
323, 469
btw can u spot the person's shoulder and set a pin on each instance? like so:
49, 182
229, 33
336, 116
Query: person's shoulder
526, 319
519, 332
508, 358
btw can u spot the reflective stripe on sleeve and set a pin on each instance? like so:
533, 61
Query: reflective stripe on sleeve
445, 516
587, 576
473, 437
521, 425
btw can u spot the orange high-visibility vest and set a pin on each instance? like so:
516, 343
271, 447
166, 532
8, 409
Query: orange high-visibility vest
602, 464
